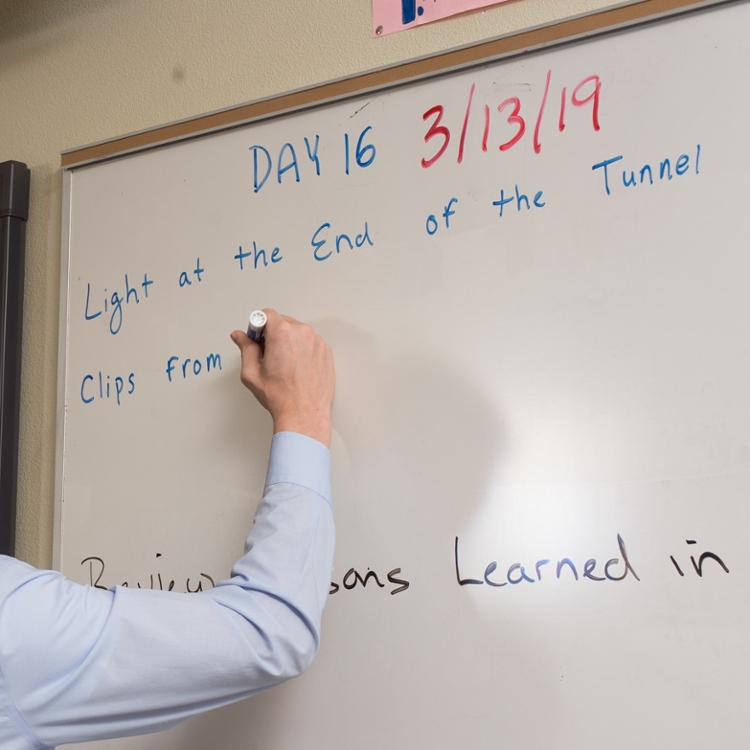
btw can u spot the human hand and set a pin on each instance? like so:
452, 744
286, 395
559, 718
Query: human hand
292, 376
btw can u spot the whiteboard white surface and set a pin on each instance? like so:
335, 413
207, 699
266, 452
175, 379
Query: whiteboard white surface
567, 381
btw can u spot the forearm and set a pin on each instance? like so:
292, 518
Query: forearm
129, 661
288, 554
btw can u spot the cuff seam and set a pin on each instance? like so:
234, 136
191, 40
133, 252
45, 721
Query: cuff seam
289, 481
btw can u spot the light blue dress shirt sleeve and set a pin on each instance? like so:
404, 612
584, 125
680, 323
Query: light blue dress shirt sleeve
79, 663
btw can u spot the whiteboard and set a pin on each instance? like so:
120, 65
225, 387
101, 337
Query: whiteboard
542, 421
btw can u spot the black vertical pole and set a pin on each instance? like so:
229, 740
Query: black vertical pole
14, 211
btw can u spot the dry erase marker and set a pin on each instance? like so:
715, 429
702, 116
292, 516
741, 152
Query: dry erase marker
256, 326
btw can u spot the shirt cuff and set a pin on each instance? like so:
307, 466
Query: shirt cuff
301, 460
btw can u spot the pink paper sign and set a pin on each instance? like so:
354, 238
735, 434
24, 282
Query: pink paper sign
394, 15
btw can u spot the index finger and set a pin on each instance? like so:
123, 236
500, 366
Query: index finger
274, 317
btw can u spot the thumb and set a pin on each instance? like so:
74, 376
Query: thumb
250, 353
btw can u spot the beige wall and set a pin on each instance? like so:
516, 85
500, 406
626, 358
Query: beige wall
77, 71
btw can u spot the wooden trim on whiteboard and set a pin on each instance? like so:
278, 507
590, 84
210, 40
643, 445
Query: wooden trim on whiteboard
582, 26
